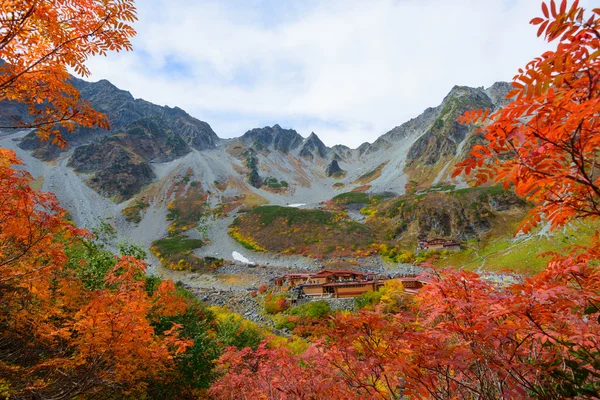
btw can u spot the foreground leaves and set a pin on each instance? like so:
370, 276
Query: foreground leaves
39, 40
59, 338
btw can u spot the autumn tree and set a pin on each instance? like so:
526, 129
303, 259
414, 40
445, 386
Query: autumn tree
41, 41
60, 338
66, 332
545, 142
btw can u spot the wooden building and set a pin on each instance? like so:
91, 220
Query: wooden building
330, 283
289, 281
413, 284
438, 245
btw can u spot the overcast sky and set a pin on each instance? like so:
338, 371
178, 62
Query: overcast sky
349, 70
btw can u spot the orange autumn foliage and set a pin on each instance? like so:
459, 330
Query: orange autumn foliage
545, 142
58, 339
40, 39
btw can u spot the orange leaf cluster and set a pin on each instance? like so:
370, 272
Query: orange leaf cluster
545, 142
56, 337
40, 39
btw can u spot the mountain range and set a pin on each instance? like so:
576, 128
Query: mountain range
152, 150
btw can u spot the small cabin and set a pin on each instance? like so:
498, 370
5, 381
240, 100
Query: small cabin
438, 245
330, 283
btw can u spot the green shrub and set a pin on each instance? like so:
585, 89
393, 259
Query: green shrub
268, 214
232, 331
176, 244
369, 298
313, 309
351, 198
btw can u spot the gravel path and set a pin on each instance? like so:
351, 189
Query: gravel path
223, 246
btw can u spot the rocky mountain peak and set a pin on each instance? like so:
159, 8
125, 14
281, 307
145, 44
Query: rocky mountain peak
122, 110
497, 93
102, 94
273, 138
313, 146
444, 135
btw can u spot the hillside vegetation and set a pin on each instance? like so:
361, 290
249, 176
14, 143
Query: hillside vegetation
296, 231
391, 226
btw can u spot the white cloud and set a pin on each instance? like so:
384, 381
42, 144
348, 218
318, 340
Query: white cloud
350, 70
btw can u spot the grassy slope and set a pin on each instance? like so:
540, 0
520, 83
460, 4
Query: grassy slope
501, 251
297, 231
328, 234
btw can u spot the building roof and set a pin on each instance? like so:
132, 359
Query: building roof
327, 272
445, 242
350, 283
417, 278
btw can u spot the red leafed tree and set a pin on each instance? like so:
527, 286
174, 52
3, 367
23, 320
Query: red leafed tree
57, 338
39, 40
464, 337
545, 142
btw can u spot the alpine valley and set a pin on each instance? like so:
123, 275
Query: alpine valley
210, 208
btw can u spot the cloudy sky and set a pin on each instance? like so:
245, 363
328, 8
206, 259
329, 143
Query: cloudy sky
349, 70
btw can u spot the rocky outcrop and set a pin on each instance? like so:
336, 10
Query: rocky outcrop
251, 163
463, 214
333, 169
313, 147
120, 163
273, 138
116, 171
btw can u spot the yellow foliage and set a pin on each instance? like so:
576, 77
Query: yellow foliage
295, 343
247, 242
224, 313
392, 293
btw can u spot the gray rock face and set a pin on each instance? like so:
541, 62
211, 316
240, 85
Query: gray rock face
273, 138
120, 163
123, 110
497, 93
333, 169
341, 152
363, 148
313, 146
116, 171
